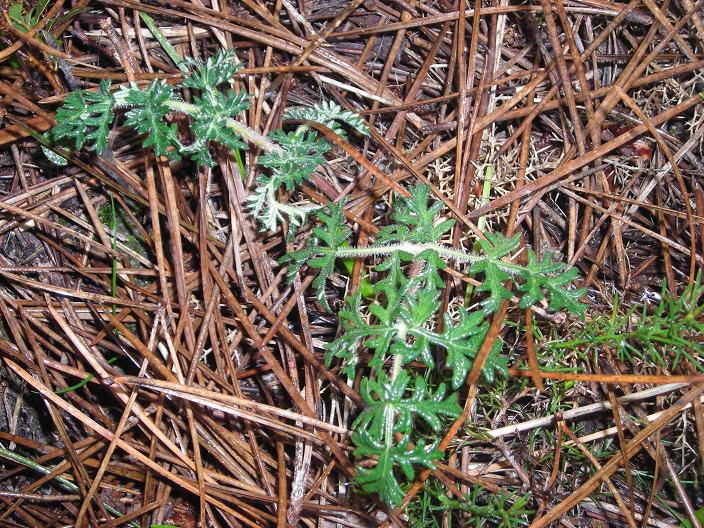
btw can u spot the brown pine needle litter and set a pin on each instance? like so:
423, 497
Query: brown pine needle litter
351, 264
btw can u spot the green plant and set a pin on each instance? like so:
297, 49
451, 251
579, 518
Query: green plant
25, 18
394, 315
400, 327
659, 336
502, 510
86, 117
479, 507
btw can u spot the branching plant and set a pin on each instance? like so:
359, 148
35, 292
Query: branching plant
393, 332
400, 327
86, 118
647, 336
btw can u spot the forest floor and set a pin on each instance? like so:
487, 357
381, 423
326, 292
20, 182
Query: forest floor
460, 289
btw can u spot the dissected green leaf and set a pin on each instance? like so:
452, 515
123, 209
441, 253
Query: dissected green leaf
211, 123
561, 297
461, 342
415, 219
494, 249
216, 70
85, 118
146, 114
301, 153
329, 114
334, 235
381, 479
385, 398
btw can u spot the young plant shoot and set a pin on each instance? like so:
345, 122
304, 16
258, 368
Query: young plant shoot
413, 362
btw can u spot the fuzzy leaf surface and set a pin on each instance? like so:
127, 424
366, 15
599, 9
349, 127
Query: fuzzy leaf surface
211, 123
301, 154
321, 253
148, 109
85, 118
216, 70
331, 115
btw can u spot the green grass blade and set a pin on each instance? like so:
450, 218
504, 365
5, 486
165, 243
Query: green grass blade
162, 40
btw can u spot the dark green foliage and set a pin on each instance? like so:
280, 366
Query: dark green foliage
414, 219
322, 255
85, 118
381, 478
462, 342
649, 337
301, 152
397, 326
147, 110
383, 397
400, 325
494, 248
329, 114
502, 510
216, 70
291, 157
212, 122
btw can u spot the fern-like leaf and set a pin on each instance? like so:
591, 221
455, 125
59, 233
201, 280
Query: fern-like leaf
211, 123
562, 297
414, 218
461, 342
85, 118
329, 114
385, 398
494, 249
381, 479
148, 109
300, 155
216, 70
333, 236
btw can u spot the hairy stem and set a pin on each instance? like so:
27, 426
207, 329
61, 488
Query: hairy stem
390, 415
414, 249
249, 135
